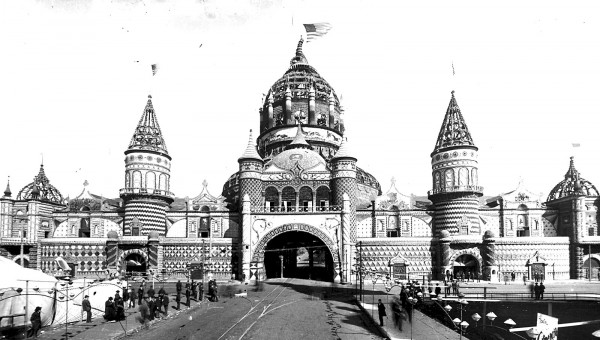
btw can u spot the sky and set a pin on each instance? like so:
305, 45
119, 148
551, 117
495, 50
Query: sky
76, 76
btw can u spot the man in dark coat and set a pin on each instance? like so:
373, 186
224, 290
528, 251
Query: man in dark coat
536, 291
179, 286
438, 290
187, 296
87, 307
381, 309
144, 312
109, 310
178, 300
165, 303
151, 308
132, 297
126, 296
194, 286
541, 290
151, 292
36, 322
140, 294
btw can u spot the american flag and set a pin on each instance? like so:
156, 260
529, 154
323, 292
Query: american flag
313, 31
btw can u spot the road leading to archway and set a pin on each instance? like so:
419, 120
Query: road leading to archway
284, 309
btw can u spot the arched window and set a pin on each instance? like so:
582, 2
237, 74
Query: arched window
463, 177
288, 198
162, 182
449, 178
127, 179
84, 228
205, 209
271, 198
323, 197
437, 181
474, 178
150, 180
305, 198
137, 179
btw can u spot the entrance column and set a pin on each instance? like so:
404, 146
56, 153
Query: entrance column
445, 253
246, 238
488, 255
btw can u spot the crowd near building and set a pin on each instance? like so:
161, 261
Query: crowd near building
301, 205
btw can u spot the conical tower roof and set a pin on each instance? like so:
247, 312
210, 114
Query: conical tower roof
250, 152
7, 192
147, 135
344, 151
299, 58
299, 141
454, 131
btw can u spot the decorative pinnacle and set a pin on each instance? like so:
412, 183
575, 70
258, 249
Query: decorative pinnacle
299, 58
7, 192
250, 152
299, 141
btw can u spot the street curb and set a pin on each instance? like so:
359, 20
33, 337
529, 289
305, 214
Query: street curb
381, 329
150, 323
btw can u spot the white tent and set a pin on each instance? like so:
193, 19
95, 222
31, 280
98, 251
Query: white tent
60, 300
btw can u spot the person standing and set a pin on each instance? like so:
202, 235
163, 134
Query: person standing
144, 312
524, 280
36, 322
532, 290
165, 303
140, 294
513, 276
132, 297
381, 309
151, 308
87, 308
536, 290
178, 300
126, 297
187, 296
194, 286
179, 286
438, 290
151, 292
109, 310
542, 289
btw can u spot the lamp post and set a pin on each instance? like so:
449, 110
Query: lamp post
413, 302
476, 317
491, 316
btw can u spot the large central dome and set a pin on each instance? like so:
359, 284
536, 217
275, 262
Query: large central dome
300, 94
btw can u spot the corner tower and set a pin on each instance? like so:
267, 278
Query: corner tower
251, 166
146, 193
456, 189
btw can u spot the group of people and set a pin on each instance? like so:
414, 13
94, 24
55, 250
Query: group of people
538, 291
462, 276
114, 309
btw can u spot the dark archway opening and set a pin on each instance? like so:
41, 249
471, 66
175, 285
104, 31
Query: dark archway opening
135, 265
466, 267
595, 268
304, 256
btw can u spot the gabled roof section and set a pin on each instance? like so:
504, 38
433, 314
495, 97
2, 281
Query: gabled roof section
147, 135
250, 152
454, 131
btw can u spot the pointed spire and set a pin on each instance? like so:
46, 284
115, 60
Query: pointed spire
572, 172
147, 135
454, 131
299, 58
343, 151
299, 141
7, 192
250, 152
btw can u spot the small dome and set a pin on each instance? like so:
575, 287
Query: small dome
444, 234
572, 185
305, 158
112, 234
41, 189
153, 234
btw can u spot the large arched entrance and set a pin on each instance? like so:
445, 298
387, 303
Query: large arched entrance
135, 264
466, 266
300, 255
594, 266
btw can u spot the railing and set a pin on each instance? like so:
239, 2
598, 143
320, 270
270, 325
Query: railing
456, 188
287, 210
146, 192
554, 296
17, 241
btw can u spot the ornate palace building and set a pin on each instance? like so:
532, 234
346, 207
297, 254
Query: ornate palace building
301, 206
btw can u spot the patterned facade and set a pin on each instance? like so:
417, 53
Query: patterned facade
299, 186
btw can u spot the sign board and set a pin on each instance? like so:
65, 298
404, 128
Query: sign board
399, 271
548, 327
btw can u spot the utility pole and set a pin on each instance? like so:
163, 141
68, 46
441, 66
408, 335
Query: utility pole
360, 269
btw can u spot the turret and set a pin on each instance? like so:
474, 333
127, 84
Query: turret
456, 189
146, 193
343, 181
251, 166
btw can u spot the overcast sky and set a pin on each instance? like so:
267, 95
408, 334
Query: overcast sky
76, 75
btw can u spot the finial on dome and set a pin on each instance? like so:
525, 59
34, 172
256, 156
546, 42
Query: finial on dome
299, 58
149, 96
452, 92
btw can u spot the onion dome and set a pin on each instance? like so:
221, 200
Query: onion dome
85, 201
112, 234
300, 94
454, 132
40, 189
147, 135
572, 185
250, 152
7, 192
